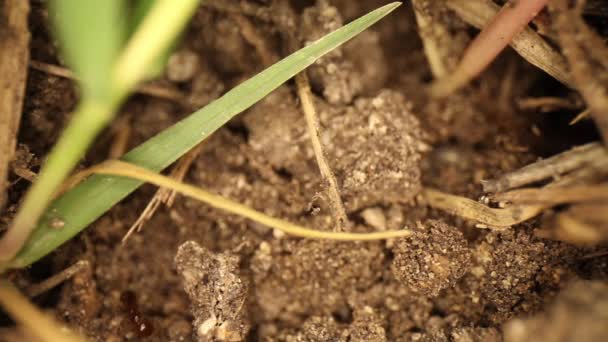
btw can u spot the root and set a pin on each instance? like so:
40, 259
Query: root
124, 169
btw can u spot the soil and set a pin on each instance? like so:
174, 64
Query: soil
198, 274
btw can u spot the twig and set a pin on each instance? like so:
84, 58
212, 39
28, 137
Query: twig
14, 54
581, 116
312, 122
546, 168
57, 279
497, 219
594, 93
149, 89
555, 195
528, 44
548, 104
36, 322
164, 195
436, 39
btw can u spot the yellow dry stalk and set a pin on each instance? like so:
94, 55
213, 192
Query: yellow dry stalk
36, 322
124, 169
491, 217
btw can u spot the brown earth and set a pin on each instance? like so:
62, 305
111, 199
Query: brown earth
199, 273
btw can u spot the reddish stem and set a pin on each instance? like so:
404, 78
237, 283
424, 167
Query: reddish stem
495, 36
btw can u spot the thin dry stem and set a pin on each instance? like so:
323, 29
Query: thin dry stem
498, 219
165, 195
575, 231
149, 89
435, 36
527, 43
581, 116
14, 54
124, 169
556, 165
581, 68
555, 195
54, 280
312, 122
36, 322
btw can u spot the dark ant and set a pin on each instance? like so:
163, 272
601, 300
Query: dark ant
139, 324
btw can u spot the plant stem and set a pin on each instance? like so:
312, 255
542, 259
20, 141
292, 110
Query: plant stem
88, 119
312, 122
495, 36
158, 30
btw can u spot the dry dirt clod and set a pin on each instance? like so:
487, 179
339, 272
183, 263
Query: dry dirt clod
374, 147
432, 259
342, 74
312, 277
217, 293
579, 313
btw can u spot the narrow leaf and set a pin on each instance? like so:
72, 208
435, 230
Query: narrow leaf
80, 206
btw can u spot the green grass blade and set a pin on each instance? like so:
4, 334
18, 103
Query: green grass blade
91, 34
86, 202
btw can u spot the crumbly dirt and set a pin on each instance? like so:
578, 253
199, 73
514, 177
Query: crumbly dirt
432, 259
197, 273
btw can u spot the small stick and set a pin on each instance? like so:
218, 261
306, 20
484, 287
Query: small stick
561, 163
49, 283
31, 318
555, 195
312, 122
548, 103
581, 116
497, 219
165, 195
436, 38
146, 88
594, 93
527, 43
14, 54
